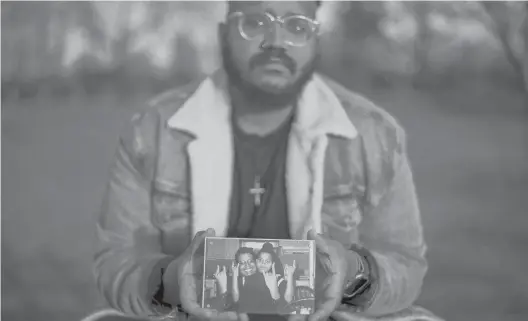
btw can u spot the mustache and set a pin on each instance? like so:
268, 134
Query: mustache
266, 56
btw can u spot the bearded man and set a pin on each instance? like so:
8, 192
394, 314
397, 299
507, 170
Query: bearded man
263, 148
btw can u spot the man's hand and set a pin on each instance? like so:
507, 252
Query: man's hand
189, 275
271, 282
332, 257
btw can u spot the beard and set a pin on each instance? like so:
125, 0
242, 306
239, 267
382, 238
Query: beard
269, 97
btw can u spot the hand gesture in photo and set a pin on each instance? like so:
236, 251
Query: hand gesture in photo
188, 272
221, 277
271, 282
235, 269
289, 270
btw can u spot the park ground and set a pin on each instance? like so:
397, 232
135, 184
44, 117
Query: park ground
468, 146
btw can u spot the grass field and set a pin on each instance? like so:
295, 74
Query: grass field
468, 148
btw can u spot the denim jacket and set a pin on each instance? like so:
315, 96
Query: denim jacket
348, 176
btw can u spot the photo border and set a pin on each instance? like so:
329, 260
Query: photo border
312, 254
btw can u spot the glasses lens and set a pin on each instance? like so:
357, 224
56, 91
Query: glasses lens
254, 25
298, 30
247, 263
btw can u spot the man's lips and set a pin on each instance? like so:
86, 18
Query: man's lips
275, 64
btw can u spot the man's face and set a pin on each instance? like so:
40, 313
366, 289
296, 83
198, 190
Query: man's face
266, 68
247, 264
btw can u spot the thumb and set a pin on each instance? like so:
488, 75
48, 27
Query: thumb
320, 242
199, 238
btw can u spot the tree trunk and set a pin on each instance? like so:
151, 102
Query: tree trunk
498, 13
525, 63
422, 43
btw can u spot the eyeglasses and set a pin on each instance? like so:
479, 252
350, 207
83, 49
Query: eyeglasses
299, 29
247, 263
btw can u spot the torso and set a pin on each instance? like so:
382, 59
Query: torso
263, 158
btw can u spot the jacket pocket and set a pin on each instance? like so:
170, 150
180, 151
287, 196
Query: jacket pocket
171, 203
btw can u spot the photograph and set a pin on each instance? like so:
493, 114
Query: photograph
259, 276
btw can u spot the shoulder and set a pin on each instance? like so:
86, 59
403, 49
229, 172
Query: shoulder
382, 136
165, 104
140, 131
366, 115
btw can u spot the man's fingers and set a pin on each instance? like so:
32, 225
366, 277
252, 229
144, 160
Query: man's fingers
217, 269
243, 317
294, 264
191, 306
331, 299
325, 310
209, 314
320, 242
221, 316
273, 268
332, 296
188, 293
297, 317
199, 238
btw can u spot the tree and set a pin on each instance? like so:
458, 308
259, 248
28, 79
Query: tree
501, 26
525, 63
34, 42
422, 42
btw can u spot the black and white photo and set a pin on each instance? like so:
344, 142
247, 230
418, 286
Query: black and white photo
259, 276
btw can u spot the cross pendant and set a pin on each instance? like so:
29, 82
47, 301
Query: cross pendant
257, 191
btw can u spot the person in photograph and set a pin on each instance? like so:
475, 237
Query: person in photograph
265, 147
255, 285
244, 282
272, 279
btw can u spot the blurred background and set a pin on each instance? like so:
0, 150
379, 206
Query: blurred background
454, 73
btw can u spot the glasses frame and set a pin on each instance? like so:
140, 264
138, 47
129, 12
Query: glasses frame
280, 20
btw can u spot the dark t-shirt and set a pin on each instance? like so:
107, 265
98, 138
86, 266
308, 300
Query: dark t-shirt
255, 296
264, 157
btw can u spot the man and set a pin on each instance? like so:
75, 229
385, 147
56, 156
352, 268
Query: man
263, 148
229, 297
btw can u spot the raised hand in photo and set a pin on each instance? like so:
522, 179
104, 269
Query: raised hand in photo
234, 269
221, 277
289, 270
270, 278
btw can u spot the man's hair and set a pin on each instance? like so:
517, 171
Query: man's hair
268, 248
244, 250
231, 5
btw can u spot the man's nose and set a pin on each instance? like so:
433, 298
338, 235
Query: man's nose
274, 37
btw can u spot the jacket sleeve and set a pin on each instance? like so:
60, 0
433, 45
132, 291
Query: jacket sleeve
129, 259
391, 236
